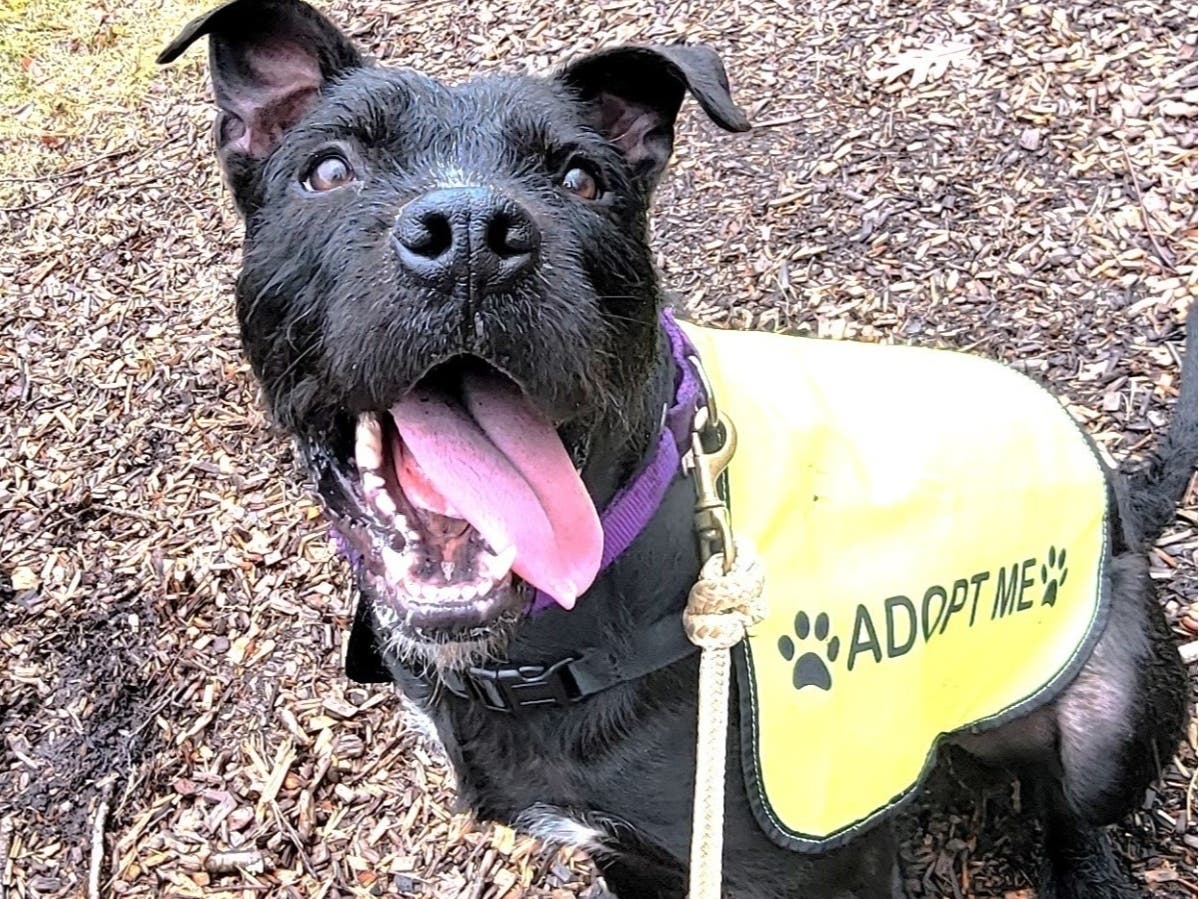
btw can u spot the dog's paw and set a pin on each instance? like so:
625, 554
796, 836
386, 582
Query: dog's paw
810, 669
1053, 575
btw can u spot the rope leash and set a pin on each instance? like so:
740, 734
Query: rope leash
728, 598
721, 606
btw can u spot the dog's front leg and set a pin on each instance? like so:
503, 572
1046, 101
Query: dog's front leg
867, 868
634, 877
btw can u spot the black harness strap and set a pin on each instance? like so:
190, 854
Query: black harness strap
515, 688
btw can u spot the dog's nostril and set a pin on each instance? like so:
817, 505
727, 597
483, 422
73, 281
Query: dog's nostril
438, 237
429, 235
510, 235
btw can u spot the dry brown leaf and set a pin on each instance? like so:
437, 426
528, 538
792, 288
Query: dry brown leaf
924, 65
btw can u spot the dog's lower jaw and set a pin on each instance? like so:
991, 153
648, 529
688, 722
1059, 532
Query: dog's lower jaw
423, 655
440, 651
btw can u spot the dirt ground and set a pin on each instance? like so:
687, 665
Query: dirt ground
1014, 179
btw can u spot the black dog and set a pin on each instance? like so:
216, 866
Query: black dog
448, 297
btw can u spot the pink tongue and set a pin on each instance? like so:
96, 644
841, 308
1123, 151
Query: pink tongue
501, 466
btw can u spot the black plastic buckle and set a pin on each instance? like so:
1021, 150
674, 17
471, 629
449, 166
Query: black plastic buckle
514, 689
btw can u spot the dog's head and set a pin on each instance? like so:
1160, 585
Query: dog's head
446, 293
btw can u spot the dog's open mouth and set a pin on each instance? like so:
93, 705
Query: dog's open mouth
464, 492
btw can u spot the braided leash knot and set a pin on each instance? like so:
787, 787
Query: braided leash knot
722, 605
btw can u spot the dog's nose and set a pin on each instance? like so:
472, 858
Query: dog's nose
470, 236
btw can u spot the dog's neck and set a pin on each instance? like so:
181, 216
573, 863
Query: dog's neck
620, 448
652, 577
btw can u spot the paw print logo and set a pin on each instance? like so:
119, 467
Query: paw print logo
1053, 575
810, 669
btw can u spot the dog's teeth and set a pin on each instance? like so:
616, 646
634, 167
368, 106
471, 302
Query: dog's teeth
401, 524
372, 484
425, 592
498, 564
398, 565
385, 504
368, 443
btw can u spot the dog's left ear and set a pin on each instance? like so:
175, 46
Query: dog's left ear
634, 94
269, 61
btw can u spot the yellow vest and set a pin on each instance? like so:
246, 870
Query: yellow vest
934, 529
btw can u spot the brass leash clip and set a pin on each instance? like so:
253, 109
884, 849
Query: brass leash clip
713, 442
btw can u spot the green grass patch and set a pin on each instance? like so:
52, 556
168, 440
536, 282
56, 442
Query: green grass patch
73, 74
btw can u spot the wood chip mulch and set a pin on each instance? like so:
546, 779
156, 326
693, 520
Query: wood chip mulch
1014, 179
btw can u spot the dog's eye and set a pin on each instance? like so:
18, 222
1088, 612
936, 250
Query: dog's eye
581, 183
329, 173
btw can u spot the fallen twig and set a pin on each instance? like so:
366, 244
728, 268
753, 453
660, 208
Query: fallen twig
6, 828
96, 866
68, 172
1164, 255
781, 120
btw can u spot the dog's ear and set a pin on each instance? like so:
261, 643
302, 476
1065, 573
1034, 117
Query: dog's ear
269, 60
634, 94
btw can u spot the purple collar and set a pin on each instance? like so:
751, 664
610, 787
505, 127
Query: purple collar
636, 503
